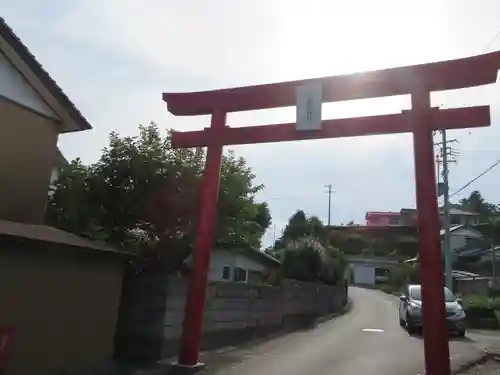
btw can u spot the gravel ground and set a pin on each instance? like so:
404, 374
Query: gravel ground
490, 367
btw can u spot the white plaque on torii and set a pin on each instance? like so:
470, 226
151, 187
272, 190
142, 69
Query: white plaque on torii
309, 103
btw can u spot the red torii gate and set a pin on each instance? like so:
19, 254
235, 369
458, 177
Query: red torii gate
421, 120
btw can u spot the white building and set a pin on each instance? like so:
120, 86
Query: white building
369, 270
461, 217
247, 266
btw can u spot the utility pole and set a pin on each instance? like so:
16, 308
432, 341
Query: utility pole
494, 266
446, 156
329, 187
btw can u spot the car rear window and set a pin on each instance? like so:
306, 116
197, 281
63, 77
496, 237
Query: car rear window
416, 294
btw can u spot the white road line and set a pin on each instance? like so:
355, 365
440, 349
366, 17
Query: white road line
372, 330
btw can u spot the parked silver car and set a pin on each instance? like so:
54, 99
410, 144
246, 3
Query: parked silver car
410, 311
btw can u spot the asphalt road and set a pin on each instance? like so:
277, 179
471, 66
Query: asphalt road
366, 340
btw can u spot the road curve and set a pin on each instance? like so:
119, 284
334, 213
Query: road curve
366, 340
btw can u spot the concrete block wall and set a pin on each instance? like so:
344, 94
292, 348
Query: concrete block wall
152, 312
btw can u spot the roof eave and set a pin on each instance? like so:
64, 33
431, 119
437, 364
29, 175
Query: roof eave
75, 120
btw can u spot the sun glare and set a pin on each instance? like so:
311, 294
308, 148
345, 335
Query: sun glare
331, 37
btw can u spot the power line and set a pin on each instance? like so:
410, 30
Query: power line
492, 40
476, 178
486, 48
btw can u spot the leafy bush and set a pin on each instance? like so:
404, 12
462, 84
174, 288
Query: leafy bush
408, 246
307, 260
476, 301
379, 241
482, 312
403, 274
302, 261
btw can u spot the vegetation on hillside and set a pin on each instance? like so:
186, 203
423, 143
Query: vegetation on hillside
395, 241
352, 240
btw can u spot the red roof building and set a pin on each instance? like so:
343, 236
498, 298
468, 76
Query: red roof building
377, 218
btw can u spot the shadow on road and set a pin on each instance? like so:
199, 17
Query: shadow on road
450, 338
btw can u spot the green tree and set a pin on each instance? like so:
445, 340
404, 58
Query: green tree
297, 226
306, 259
142, 194
302, 260
300, 226
403, 274
476, 203
241, 221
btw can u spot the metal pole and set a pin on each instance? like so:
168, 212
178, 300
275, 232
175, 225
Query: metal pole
329, 186
437, 354
195, 301
446, 214
494, 266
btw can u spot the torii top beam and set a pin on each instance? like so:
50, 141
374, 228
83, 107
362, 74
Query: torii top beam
445, 75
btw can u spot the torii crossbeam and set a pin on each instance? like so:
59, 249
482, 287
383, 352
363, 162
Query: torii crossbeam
418, 81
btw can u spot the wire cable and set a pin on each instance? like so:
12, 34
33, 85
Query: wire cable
476, 178
486, 48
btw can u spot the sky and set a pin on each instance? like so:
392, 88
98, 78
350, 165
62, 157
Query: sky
114, 58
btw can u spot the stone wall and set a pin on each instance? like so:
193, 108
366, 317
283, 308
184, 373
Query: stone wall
152, 312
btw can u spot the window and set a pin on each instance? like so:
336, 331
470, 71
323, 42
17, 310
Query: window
254, 277
381, 272
226, 272
476, 243
240, 274
416, 294
381, 275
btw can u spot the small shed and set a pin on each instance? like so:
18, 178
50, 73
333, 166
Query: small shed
370, 270
468, 283
59, 298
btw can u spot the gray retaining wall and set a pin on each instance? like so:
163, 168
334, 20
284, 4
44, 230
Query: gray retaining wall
152, 311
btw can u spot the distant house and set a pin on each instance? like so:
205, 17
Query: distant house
247, 266
465, 241
463, 238
376, 218
461, 217
408, 216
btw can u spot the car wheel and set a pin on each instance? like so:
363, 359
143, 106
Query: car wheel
410, 328
461, 333
401, 322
